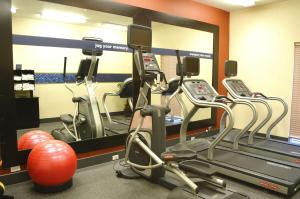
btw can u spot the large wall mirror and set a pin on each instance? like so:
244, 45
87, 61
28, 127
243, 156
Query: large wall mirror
41, 21
45, 32
191, 42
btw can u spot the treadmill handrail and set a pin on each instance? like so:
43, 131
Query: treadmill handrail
275, 122
281, 116
201, 103
247, 127
252, 99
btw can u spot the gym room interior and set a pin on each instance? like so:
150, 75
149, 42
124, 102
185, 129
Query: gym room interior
150, 99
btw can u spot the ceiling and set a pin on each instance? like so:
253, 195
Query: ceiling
33, 9
226, 5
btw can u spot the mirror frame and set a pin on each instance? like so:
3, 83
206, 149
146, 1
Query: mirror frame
8, 147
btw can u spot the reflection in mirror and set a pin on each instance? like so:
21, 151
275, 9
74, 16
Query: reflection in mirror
190, 42
37, 26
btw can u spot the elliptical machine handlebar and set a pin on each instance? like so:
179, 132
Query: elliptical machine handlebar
180, 67
158, 88
157, 76
182, 71
142, 75
64, 77
65, 68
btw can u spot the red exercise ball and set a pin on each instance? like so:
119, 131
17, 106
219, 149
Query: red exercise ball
32, 138
51, 163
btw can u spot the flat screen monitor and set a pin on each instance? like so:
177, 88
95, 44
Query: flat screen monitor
84, 68
230, 68
190, 66
139, 36
97, 46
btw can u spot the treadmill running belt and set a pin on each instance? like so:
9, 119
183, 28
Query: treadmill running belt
277, 146
254, 164
274, 146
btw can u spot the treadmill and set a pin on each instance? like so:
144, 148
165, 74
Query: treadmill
243, 166
248, 142
233, 137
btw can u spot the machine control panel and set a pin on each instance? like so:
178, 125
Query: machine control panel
150, 62
200, 90
239, 88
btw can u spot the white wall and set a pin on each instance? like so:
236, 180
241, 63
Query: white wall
262, 41
50, 60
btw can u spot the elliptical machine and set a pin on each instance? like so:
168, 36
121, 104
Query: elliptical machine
125, 91
147, 135
86, 121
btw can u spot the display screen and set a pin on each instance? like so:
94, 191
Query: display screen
139, 36
191, 66
84, 68
230, 68
97, 51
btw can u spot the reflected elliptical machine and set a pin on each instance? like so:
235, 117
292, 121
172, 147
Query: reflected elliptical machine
146, 143
118, 126
86, 122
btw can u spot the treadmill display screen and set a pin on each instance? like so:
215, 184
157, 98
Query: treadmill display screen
199, 89
191, 66
239, 88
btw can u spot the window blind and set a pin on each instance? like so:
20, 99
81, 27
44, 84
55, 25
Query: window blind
295, 111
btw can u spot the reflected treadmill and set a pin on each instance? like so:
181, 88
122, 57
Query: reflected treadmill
248, 142
240, 165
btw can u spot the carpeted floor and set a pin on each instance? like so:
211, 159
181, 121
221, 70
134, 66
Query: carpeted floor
100, 182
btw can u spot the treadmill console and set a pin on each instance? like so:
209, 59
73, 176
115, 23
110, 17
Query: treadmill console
239, 87
200, 90
150, 62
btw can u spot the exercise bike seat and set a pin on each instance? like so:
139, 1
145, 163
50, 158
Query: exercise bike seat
196, 167
178, 155
67, 119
